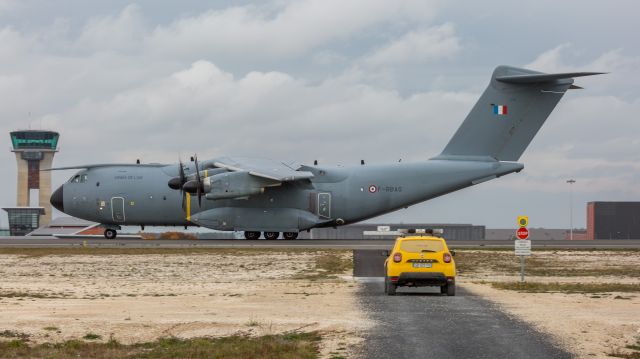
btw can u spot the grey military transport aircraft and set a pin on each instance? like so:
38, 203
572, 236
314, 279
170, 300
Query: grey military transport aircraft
257, 195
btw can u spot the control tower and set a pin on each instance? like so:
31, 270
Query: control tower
34, 150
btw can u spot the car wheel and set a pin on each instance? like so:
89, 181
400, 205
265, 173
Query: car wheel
389, 287
451, 289
443, 289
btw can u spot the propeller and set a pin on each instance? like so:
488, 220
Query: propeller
195, 186
178, 182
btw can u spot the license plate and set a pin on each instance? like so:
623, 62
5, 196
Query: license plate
421, 265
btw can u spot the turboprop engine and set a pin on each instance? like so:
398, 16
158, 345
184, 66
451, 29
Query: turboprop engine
235, 185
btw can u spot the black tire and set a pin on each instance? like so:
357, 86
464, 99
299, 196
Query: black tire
110, 233
271, 235
443, 289
389, 287
251, 235
451, 289
290, 235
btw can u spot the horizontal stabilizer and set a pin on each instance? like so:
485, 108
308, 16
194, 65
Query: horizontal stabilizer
535, 78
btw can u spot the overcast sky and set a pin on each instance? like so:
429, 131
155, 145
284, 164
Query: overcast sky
336, 81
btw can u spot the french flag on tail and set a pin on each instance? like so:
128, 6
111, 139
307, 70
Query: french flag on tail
499, 109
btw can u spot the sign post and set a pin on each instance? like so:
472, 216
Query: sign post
522, 245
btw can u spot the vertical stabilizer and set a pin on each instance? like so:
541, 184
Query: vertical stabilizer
509, 113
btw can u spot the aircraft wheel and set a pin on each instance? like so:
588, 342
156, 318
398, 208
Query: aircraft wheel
290, 235
271, 235
251, 235
110, 233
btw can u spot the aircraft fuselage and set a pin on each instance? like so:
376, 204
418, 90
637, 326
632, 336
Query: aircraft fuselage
139, 195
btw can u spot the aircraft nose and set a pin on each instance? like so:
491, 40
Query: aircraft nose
57, 199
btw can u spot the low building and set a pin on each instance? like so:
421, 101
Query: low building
23, 220
356, 231
613, 220
534, 233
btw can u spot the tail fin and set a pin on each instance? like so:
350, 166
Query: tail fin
509, 113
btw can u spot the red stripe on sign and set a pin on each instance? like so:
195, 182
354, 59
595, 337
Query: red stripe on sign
504, 109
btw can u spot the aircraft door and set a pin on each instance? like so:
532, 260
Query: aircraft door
324, 205
117, 209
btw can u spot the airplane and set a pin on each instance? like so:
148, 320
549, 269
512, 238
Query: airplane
269, 197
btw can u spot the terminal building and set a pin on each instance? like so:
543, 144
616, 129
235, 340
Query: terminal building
34, 151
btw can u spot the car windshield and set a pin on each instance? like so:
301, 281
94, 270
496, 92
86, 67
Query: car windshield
422, 245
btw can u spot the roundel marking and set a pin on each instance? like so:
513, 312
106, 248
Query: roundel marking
373, 189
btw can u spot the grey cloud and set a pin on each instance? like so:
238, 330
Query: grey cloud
290, 80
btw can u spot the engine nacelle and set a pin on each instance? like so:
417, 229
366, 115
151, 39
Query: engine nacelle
234, 185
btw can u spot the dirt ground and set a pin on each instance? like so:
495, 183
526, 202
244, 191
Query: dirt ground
134, 298
592, 325
137, 298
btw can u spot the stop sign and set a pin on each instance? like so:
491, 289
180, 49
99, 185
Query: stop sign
522, 233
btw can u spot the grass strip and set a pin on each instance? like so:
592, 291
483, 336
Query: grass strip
556, 287
102, 251
506, 263
285, 346
328, 266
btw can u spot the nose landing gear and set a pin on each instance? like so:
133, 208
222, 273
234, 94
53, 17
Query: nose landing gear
110, 233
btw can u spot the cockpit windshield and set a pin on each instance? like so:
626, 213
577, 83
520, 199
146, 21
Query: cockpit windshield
79, 178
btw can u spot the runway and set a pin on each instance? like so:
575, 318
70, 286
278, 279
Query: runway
299, 243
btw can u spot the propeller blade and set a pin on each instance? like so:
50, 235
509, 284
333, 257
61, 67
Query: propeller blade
182, 181
198, 181
182, 176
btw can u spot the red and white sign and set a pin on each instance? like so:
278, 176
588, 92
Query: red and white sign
373, 189
522, 233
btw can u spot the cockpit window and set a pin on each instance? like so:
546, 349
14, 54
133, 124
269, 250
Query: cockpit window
83, 178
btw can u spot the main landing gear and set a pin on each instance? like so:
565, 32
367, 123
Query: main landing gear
270, 235
290, 235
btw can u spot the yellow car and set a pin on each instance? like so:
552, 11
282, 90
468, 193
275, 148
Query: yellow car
419, 261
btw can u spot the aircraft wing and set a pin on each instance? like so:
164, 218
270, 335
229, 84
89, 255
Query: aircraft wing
97, 165
265, 168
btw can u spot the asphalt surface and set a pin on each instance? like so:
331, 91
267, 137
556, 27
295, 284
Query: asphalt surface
299, 243
421, 323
